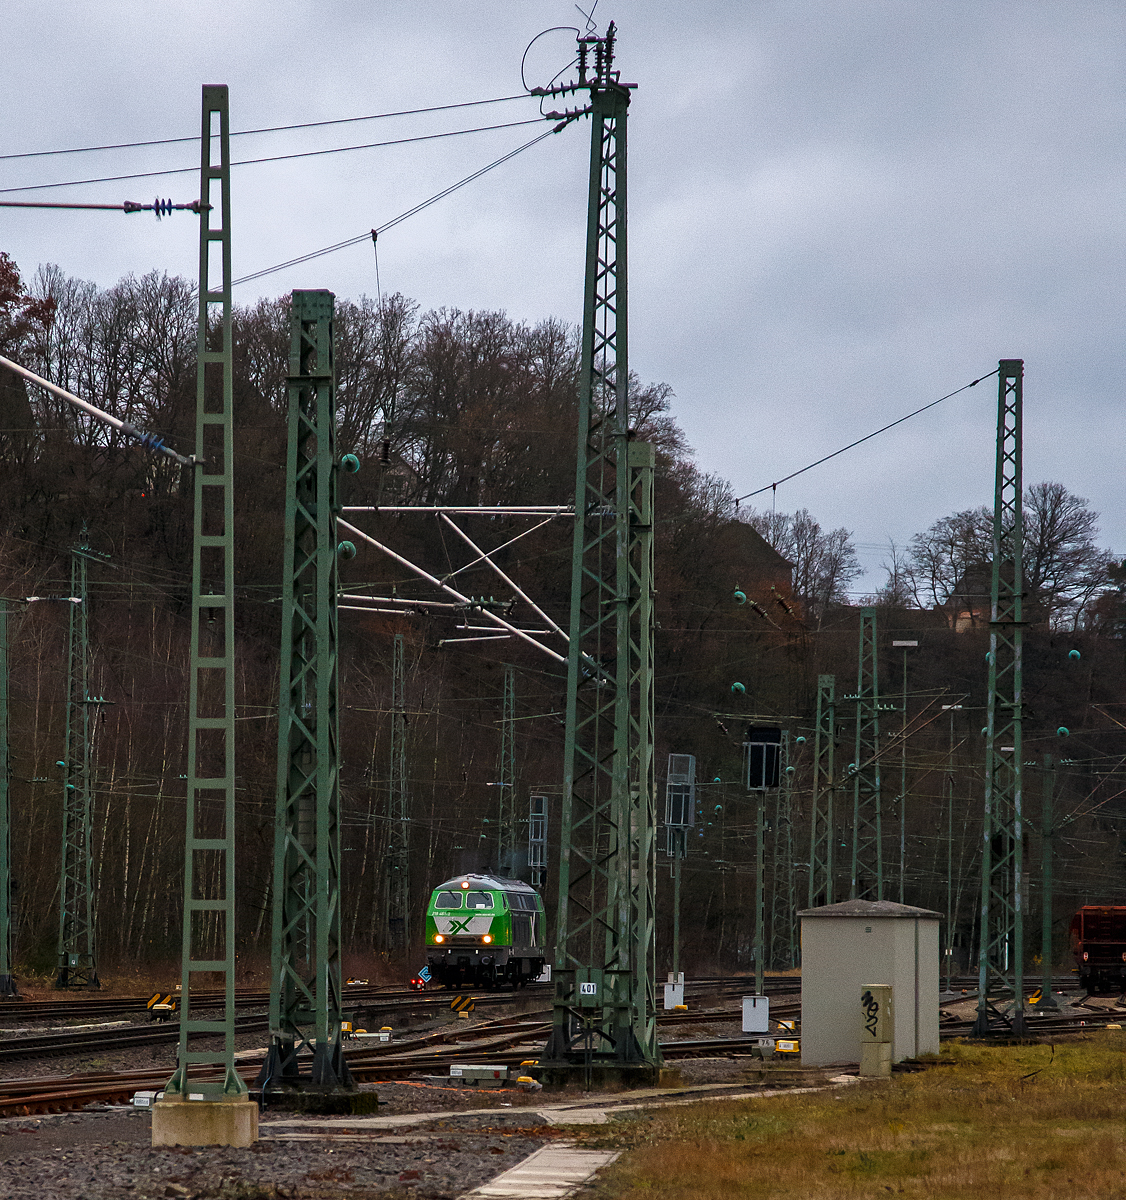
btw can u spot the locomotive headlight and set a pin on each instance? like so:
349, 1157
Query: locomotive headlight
487, 938
439, 938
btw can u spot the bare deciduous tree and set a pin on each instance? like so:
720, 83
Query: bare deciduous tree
1064, 569
824, 561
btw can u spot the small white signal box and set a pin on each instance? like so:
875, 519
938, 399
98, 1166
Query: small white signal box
674, 992
756, 1014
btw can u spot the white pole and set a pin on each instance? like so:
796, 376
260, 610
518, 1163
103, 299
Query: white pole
149, 440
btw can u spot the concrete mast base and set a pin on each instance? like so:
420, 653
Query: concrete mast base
226, 1122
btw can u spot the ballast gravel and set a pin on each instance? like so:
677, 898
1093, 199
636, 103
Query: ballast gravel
108, 1156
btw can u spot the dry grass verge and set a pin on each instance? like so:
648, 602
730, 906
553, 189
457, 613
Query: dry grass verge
1034, 1122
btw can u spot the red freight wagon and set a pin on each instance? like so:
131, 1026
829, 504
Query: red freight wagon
1098, 941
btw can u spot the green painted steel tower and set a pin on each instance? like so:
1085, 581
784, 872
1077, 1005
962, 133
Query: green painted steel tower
508, 839
305, 983
1001, 961
605, 965
821, 838
867, 829
7, 979
208, 946
398, 812
77, 959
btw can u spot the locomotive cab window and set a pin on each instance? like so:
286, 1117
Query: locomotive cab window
449, 900
478, 900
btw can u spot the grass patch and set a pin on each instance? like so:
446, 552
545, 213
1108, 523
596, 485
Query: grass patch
1034, 1122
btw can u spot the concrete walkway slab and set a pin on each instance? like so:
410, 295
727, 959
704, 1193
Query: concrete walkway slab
552, 1171
595, 1110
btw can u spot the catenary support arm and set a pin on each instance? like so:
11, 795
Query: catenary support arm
150, 440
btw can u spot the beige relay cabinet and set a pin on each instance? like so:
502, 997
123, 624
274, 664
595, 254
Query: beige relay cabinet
844, 948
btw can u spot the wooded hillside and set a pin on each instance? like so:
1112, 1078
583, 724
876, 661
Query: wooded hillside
450, 407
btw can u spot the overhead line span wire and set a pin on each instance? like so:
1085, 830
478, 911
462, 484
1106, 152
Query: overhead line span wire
867, 437
410, 212
406, 112
246, 162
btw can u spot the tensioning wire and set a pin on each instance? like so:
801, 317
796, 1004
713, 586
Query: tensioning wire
867, 437
410, 212
405, 112
246, 162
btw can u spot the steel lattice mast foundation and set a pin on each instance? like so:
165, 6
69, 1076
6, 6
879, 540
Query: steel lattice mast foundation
208, 946
507, 834
1001, 960
603, 1024
821, 837
77, 959
305, 984
867, 825
398, 933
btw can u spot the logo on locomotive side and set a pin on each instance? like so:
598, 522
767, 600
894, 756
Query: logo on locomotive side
451, 926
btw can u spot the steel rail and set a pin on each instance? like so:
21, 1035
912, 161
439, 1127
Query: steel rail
499, 1045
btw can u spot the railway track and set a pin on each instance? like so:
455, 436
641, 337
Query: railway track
376, 1001
125, 1006
383, 1006
51, 1045
65, 1042
504, 1040
505, 1047
89, 1004
507, 1040
1042, 1026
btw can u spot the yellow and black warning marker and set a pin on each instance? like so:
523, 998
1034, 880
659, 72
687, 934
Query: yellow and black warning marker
161, 1006
463, 1004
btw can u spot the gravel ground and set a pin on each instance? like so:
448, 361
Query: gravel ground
107, 1156
413, 1096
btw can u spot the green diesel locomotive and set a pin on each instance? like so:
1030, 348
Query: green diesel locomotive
483, 931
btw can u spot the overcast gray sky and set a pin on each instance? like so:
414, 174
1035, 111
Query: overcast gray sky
840, 210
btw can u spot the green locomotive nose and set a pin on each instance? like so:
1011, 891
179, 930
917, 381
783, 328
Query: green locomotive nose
485, 931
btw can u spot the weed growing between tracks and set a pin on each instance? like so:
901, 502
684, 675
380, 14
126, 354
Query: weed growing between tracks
1034, 1122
